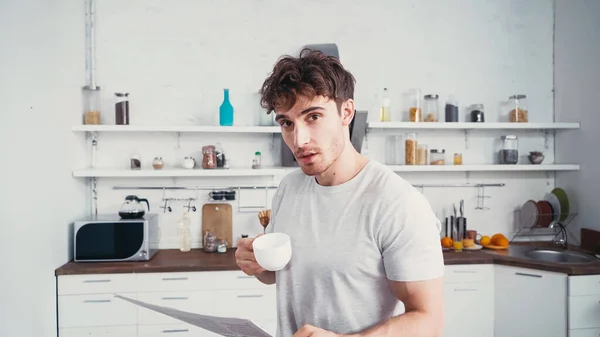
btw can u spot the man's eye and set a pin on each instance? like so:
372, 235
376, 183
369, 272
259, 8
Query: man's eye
314, 117
286, 123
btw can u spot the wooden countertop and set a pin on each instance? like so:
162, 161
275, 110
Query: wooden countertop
172, 260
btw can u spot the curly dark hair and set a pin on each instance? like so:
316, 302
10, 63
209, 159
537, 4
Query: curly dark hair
311, 74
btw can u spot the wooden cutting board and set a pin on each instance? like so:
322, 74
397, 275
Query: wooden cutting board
590, 240
217, 219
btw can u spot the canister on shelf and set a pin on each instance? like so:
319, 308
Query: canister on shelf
509, 152
421, 154
415, 108
451, 110
437, 157
209, 158
410, 149
91, 106
518, 112
477, 113
458, 159
431, 108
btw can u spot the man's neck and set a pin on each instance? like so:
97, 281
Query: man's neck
346, 167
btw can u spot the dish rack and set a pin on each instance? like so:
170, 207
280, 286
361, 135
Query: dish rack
541, 224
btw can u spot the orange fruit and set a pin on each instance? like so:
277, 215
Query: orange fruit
485, 240
502, 242
447, 242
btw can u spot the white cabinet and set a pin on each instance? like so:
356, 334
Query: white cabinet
469, 300
584, 306
87, 306
530, 303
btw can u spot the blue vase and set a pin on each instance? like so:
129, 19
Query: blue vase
226, 110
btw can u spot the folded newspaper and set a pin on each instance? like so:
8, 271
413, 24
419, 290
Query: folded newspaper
224, 326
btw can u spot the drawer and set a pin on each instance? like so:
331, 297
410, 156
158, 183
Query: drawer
173, 330
584, 312
465, 273
95, 310
101, 331
96, 284
210, 280
584, 285
584, 333
255, 304
199, 302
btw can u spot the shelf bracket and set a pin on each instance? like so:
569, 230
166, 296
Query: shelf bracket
95, 195
466, 139
178, 140
546, 136
94, 149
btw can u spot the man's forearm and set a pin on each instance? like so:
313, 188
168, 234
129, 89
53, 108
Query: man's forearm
409, 324
266, 277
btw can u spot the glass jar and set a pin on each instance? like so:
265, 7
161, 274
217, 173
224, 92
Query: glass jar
451, 110
410, 149
91, 106
221, 245
158, 163
415, 108
122, 108
518, 112
421, 154
437, 157
458, 159
509, 152
477, 114
256, 162
220, 155
431, 108
209, 158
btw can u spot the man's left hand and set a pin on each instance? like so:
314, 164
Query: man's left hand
312, 331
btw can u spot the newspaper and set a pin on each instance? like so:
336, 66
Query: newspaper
224, 326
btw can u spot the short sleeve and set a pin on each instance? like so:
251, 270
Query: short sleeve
409, 240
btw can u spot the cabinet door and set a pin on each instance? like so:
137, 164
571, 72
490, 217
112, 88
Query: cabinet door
101, 331
530, 303
468, 310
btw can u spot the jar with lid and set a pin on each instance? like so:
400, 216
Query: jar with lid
209, 159
437, 157
451, 110
256, 162
91, 105
221, 245
220, 155
518, 109
410, 149
476, 112
415, 106
122, 108
158, 163
431, 108
509, 152
458, 159
422, 154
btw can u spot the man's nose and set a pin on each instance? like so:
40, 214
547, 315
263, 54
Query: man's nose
301, 136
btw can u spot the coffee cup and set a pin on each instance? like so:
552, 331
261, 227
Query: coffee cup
273, 251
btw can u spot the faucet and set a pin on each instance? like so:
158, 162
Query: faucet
563, 231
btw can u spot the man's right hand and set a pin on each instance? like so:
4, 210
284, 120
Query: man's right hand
245, 259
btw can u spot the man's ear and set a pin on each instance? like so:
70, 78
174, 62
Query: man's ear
347, 111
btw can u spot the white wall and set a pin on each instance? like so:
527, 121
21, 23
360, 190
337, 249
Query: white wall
42, 64
577, 79
175, 59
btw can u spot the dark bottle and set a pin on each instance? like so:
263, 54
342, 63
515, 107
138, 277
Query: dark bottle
122, 109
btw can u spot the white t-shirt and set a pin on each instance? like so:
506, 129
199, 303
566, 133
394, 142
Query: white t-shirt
347, 241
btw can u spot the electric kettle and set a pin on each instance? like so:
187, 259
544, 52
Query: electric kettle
132, 208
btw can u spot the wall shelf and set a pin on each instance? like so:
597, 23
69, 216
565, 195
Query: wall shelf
483, 168
473, 126
151, 173
177, 128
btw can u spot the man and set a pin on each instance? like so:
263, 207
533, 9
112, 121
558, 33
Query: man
364, 241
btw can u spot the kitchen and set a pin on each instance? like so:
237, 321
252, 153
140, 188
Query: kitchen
174, 68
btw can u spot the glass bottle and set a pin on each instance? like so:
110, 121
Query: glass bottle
91, 106
385, 114
184, 233
122, 109
226, 110
432, 108
410, 149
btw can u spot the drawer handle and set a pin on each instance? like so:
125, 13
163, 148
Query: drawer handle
249, 296
465, 272
175, 298
175, 330
245, 276
96, 301
530, 275
465, 289
174, 278
96, 281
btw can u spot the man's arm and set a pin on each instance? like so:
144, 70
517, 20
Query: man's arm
266, 277
424, 311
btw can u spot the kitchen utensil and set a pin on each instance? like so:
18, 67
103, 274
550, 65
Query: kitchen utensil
132, 207
564, 203
530, 214
217, 219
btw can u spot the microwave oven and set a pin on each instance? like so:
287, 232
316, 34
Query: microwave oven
109, 238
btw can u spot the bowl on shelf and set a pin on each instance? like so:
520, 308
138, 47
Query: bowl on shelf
536, 157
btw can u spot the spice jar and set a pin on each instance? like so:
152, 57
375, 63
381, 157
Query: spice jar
91, 106
220, 155
256, 162
458, 159
415, 108
221, 245
188, 163
432, 108
210, 242
421, 154
410, 149
158, 163
122, 109
518, 112
509, 153
437, 157
477, 115
209, 159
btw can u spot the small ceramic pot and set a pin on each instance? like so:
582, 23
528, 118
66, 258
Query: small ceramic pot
536, 157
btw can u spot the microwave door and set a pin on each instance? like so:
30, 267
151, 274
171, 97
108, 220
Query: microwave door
109, 241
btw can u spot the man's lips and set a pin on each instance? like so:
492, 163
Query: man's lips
306, 157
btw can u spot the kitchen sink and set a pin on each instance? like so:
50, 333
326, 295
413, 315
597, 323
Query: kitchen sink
559, 256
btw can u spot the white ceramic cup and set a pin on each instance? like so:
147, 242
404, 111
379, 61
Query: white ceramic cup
273, 251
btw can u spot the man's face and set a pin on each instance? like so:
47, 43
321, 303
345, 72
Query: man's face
314, 132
